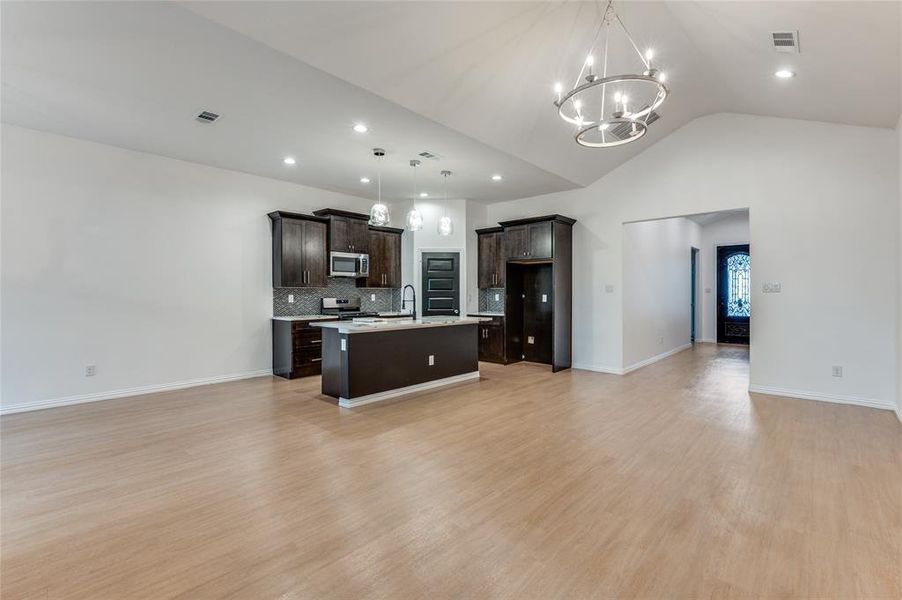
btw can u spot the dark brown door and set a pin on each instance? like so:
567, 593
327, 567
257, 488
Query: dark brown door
491, 342
733, 294
392, 254
377, 259
358, 235
441, 284
339, 234
539, 240
516, 242
292, 267
316, 258
487, 249
537, 313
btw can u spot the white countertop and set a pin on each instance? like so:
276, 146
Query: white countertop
397, 324
305, 318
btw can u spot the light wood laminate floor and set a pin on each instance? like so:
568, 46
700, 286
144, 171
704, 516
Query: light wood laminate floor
668, 482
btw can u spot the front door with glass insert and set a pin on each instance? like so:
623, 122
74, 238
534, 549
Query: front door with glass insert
734, 292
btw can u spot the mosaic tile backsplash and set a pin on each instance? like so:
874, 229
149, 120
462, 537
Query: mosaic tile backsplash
307, 300
487, 301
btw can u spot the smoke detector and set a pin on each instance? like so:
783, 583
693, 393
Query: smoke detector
786, 41
206, 116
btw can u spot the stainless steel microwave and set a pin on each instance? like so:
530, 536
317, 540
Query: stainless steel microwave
347, 264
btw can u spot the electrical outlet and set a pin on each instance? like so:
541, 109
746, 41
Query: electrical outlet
609, 288
431, 360
661, 341
771, 287
90, 370
373, 297
344, 345
530, 339
544, 297
707, 290
291, 298
497, 297
837, 371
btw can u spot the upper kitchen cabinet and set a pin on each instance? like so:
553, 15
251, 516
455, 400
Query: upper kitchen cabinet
299, 252
385, 258
348, 231
533, 238
490, 272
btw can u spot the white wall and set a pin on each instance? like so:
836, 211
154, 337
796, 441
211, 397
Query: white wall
428, 240
899, 272
656, 287
476, 219
823, 209
156, 270
728, 231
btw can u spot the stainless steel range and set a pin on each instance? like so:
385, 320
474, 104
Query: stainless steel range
345, 308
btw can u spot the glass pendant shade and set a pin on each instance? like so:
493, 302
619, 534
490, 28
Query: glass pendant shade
379, 215
445, 226
414, 220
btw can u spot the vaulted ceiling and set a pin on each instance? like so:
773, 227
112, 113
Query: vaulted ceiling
467, 81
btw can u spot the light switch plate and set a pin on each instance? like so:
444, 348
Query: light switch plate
771, 287
837, 371
90, 370
291, 298
431, 360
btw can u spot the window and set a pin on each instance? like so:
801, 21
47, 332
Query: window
738, 286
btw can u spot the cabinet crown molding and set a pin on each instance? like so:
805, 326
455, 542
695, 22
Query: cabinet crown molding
556, 218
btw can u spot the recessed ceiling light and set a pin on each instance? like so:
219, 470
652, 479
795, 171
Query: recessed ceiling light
497, 178
785, 74
424, 194
360, 128
364, 180
289, 160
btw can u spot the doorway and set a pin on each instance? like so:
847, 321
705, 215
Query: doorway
440, 284
733, 294
693, 294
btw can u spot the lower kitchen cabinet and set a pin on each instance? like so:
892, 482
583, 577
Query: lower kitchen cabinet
491, 341
297, 349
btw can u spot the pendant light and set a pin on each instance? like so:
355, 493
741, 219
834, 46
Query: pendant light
379, 212
414, 218
445, 224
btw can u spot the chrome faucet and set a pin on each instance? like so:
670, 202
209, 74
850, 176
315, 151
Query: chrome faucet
404, 299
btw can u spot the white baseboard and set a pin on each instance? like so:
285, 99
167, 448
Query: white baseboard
706, 341
654, 359
631, 368
124, 393
410, 389
898, 412
597, 368
820, 397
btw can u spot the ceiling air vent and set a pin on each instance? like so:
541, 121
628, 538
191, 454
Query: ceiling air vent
207, 117
428, 155
786, 41
621, 131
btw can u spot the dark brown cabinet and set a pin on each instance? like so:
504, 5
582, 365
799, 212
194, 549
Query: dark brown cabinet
348, 231
296, 348
491, 257
528, 240
491, 340
385, 258
538, 290
299, 254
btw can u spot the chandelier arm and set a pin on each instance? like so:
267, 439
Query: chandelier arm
604, 72
632, 41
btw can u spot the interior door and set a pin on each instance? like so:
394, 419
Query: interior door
733, 294
440, 284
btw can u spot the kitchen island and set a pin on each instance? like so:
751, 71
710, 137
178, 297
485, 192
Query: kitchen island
368, 360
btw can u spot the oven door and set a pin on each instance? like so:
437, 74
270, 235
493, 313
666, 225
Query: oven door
346, 264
